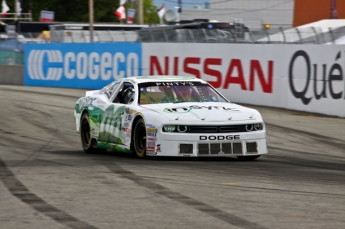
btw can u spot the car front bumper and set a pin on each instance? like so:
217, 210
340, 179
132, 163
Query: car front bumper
203, 145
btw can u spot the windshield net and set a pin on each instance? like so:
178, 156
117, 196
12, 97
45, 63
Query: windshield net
177, 92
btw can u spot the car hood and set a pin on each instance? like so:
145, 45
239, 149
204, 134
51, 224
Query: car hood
212, 112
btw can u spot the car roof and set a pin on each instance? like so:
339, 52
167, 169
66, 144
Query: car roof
159, 78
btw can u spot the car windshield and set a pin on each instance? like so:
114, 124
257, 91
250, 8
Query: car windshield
177, 92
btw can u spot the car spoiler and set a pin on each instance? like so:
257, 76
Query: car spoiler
89, 93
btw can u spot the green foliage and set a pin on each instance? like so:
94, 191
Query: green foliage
78, 10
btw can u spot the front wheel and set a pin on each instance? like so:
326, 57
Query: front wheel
139, 139
248, 158
85, 135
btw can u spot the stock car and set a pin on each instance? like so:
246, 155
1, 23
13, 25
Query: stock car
168, 116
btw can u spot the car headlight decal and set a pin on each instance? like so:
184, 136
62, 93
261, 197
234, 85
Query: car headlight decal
169, 128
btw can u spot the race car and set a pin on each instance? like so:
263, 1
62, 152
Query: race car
168, 116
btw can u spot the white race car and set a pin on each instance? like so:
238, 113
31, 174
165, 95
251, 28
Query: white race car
168, 116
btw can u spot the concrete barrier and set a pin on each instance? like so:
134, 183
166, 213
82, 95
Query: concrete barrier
12, 74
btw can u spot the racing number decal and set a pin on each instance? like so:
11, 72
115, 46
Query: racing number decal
110, 129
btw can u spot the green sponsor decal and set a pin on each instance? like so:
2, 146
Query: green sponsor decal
110, 128
178, 110
169, 128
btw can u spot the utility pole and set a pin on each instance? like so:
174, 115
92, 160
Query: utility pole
91, 19
140, 12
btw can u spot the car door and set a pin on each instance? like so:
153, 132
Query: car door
114, 116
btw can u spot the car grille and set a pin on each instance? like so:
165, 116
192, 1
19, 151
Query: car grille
217, 129
226, 148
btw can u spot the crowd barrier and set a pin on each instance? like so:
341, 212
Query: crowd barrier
299, 77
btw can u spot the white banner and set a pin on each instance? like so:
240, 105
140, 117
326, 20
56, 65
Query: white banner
299, 77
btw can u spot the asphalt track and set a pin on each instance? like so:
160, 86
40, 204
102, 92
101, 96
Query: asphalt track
47, 181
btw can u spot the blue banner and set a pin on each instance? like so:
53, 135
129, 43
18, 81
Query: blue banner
80, 65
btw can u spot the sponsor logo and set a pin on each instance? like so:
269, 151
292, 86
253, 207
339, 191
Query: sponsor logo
188, 109
321, 88
151, 143
129, 117
169, 128
95, 133
158, 147
81, 64
151, 139
151, 134
152, 130
150, 148
35, 64
110, 126
175, 84
150, 153
233, 72
219, 138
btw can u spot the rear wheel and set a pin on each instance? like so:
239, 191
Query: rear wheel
85, 135
248, 158
139, 139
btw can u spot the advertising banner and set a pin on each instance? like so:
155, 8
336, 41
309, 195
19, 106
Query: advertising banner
300, 77
80, 65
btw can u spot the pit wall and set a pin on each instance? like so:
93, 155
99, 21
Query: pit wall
298, 77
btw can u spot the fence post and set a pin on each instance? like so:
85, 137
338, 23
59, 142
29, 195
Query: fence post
205, 35
282, 31
251, 35
191, 35
332, 34
165, 36
233, 35
316, 35
299, 35
124, 34
267, 35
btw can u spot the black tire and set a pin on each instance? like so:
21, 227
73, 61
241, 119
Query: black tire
85, 134
139, 139
248, 158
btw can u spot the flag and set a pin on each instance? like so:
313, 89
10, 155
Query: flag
131, 13
121, 13
161, 11
4, 8
18, 7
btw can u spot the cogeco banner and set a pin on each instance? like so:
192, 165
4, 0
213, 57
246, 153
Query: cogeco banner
81, 65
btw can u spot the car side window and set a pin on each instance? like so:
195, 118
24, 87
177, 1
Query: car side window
125, 94
111, 90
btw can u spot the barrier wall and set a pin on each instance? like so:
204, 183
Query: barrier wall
301, 77
80, 65
11, 74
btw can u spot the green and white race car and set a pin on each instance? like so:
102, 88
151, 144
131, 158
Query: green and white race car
168, 116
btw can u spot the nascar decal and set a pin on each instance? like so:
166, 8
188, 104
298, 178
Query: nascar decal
111, 125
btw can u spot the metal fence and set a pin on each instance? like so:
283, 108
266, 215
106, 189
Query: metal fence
308, 35
12, 48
